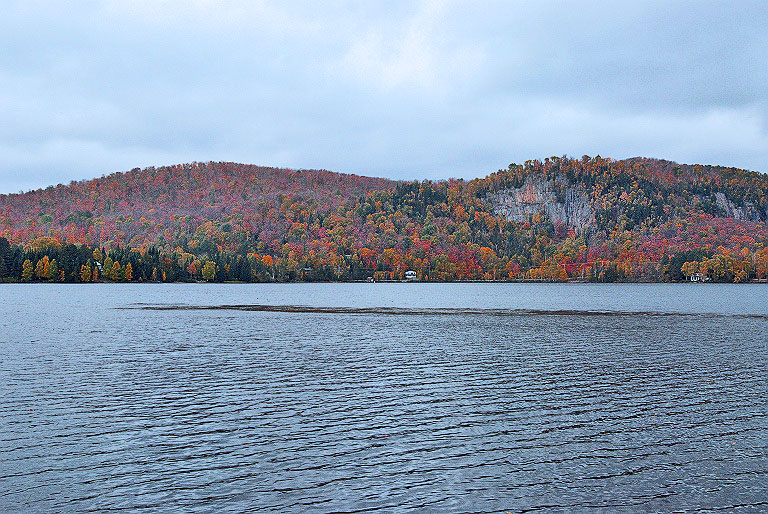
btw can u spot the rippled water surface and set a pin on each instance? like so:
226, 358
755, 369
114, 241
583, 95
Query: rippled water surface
354, 397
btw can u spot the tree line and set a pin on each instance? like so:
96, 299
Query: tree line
232, 222
47, 261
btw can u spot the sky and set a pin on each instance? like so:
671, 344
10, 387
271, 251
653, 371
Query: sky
406, 90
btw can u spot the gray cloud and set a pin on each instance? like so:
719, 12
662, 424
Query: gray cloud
404, 90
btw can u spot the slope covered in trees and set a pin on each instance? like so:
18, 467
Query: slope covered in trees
560, 219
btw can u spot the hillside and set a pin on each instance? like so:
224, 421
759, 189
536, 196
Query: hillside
560, 219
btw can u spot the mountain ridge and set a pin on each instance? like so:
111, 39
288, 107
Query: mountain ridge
557, 219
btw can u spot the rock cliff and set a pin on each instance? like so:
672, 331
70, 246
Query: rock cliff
747, 211
539, 196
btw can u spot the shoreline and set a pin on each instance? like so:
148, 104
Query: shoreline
236, 282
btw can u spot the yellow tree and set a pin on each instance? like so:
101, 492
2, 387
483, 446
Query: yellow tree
716, 267
116, 272
85, 273
209, 271
690, 268
489, 260
27, 270
128, 272
761, 263
40, 267
107, 268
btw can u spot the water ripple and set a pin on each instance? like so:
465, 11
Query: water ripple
292, 408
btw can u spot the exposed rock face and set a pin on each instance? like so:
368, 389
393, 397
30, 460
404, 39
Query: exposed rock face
538, 196
748, 211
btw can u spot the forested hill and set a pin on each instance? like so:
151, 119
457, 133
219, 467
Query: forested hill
560, 219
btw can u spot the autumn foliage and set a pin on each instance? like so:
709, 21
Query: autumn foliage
651, 221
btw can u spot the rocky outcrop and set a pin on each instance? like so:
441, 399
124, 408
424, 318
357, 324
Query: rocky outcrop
538, 196
748, 211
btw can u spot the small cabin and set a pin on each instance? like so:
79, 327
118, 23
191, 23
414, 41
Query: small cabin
698, 277
410, 275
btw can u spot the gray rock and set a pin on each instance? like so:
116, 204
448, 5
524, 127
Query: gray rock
538, 196
748, 211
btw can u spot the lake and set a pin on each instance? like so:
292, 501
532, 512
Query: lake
356, 397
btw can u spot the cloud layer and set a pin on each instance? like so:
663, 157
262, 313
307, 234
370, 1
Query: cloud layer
398, 89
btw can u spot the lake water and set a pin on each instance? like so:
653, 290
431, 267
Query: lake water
355, 397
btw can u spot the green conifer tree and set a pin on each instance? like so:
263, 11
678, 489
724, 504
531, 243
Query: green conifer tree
53, 273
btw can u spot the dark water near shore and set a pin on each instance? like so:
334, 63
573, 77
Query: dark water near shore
354, 397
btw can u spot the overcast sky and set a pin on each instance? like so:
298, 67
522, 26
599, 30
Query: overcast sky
397, 89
